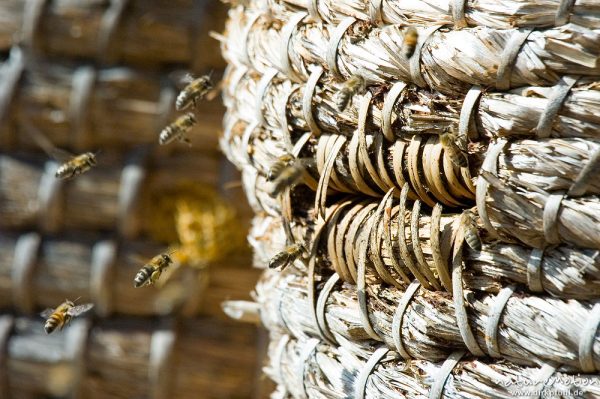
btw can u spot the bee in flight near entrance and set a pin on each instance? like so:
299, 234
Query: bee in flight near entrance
455, 147
355, 85
279, 165
287, 256
151, 271
409, 44
62, 315
287, 174
195, 91
467, 222
76, 165
178, 129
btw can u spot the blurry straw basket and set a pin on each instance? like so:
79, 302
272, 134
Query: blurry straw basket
103, 76
389, 300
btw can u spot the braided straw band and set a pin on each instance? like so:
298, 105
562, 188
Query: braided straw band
375, 16
388, 107
563, 13
559, 93
584, 178
307, 108
415, 60
466, 124
263, 85
361, 382
287, 31
458, 13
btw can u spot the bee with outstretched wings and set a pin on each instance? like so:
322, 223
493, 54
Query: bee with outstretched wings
62, 315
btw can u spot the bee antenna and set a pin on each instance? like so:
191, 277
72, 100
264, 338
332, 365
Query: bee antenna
78, 298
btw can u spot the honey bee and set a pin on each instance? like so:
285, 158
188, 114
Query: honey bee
289, 176
76, 165
195, 91
456, 148
355, 85
62, 315
151, 271
287, 256
178, 129
468, 224
278, 166
410, 41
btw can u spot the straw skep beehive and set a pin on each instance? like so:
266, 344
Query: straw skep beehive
392, 296
103, 76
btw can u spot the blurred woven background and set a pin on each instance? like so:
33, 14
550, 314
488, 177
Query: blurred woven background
102, 75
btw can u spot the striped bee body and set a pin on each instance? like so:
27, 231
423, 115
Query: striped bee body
409, 44
178, 129
289, 176
151, 272
278, 166
287, 256
455, 147
62, 315
355, 85
76, 166
193, 92
467, 222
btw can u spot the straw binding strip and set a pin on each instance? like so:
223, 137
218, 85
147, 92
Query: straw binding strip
49, 198
104, 254
509, 56
334, 42
586, 340
458, 14
24, 262
321, 304
245, 37
11, 72
493, 321
6, 326
583, 180
534, 270
313, 10
361, 285
460, 309
108, 28
321, 195
563, 13
132, 178
79, 105
437, 388
407, 296
388, 107
263, 85
307, 351
307, 108
375, 16
286, 36
559, 93
415, 59
361, 382
543, 375
490, 164
32, 17
162, 348
466, 125
550, 218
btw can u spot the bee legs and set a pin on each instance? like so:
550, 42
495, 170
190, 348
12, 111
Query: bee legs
154, 277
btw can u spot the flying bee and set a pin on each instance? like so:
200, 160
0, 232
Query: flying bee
76, 165
355, 85
468, 224
178, 129
410, 41
62, 315
456, 148
289, 176
195, 91
278, 166
287, 256
151, 271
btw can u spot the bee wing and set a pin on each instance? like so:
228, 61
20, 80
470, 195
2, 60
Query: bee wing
136, 258
60, 154
168, 274
79, 309
215, 91
47, 313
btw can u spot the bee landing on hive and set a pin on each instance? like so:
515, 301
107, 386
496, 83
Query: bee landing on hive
195, 91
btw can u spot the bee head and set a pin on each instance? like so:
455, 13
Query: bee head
70, 303
91, 156
167, 258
